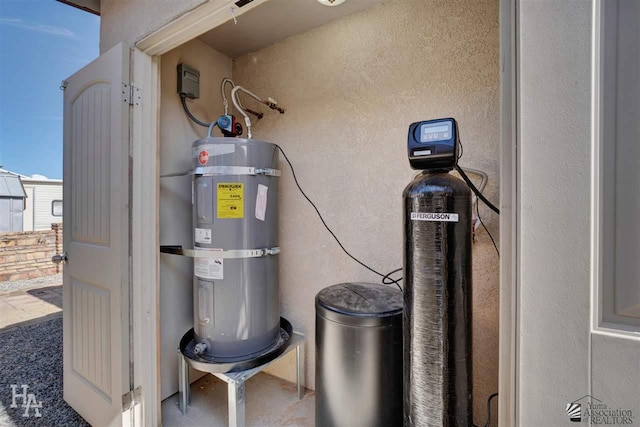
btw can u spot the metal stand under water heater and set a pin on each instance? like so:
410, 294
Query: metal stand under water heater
437, 275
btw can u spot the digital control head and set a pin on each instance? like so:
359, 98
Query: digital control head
433, 144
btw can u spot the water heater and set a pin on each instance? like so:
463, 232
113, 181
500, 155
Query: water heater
437, 275
235, 236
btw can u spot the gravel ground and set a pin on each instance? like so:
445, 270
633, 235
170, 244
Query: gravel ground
32, 355
38, 282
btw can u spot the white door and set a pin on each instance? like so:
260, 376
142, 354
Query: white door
615, 333
577, 335
96, 239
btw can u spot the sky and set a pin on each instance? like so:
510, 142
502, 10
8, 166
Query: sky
42, 42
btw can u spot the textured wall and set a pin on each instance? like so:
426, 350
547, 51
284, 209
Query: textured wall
177, 133
555, 40
129, 20
351, 88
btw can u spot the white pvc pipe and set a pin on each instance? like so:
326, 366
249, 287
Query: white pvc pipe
225, 103
236, 103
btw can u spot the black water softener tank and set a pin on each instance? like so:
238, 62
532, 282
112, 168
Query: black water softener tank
359, 356
437, 282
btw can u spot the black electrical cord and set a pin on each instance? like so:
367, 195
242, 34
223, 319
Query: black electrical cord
487, 230
488, 424
183, 98
295, 179
388, 280
476, 191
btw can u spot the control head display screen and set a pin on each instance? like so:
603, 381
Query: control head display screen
433, 144
432, 132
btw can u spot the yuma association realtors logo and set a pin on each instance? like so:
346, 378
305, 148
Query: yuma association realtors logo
574, 411
598, 412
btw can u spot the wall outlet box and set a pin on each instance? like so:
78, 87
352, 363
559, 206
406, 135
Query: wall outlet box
188, 81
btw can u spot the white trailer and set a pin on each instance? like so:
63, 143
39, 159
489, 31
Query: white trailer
44, 202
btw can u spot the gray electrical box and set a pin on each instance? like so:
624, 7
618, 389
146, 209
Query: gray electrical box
188, 81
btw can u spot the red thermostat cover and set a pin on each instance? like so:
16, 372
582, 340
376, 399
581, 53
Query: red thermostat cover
203, 157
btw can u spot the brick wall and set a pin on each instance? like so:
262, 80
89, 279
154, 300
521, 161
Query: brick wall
26, 255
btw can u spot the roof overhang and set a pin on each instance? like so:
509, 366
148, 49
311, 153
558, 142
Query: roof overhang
91, 6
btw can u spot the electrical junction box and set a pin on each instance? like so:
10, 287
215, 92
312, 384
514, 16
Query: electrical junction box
188, 81
433, 144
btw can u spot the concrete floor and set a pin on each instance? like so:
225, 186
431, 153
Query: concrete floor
25, 305
270, 402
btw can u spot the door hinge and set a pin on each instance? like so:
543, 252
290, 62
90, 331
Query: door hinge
131, 399
131, 95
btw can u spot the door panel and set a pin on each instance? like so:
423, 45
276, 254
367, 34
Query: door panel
91, 336
615, 374
96, 230
615, 338
91, 197
620, 164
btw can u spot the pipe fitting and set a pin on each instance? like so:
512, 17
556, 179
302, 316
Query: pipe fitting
200, 348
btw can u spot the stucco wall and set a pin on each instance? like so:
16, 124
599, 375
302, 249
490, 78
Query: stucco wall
177, 133
351, 89
555, 40
129, 20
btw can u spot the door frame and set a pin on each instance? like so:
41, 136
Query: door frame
509, 324
194, 23
144, 158
145, 265
144, 237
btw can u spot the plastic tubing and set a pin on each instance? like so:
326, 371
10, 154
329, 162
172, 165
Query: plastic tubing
236, 103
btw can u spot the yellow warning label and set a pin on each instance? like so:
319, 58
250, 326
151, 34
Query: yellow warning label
230, 200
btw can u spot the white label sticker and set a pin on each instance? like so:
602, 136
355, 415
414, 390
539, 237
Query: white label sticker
203, 235
209, 268
261, 202
440, 216
213, 150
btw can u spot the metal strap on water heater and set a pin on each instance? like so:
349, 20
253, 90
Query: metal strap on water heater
235, 170
225, 170
230, 254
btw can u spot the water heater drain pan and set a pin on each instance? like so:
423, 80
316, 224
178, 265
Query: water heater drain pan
206, 363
